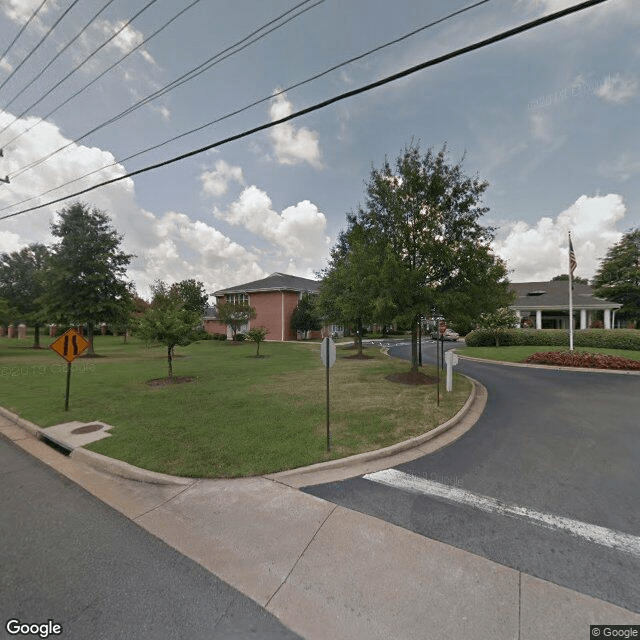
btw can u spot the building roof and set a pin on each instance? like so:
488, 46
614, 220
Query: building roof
555, 295
274, 282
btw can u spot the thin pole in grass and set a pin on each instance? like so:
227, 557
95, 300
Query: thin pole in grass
328, 357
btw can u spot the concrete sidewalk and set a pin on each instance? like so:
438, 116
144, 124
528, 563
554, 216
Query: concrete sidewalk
328, 572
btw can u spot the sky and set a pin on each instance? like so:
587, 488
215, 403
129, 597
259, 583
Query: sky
550, 118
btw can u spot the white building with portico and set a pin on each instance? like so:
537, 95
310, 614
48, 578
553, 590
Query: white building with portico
545, 305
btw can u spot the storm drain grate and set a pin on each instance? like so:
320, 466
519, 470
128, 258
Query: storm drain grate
60, 448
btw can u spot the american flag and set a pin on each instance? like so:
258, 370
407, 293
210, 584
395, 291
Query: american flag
572, 258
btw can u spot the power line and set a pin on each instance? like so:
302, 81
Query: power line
229, 51
60, 52
44, 37
257, 102
86, 86
24, 26
68, 75
321, 105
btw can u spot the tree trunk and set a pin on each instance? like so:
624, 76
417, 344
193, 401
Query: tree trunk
414, 346
90, 350
359, 337
169, 359
36, 336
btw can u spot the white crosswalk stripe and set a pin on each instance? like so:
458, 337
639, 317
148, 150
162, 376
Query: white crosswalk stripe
593, 533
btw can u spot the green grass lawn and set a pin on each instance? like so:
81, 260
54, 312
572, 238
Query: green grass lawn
521, 353
241, 416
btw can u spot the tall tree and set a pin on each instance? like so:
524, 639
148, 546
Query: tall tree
85, 281
168, 320
22, 282
192, 294
235, 315
349, 291
305, 316
422, 220
618, 278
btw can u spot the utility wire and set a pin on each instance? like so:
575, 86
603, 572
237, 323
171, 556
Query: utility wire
257, 102
86, 86
104, 44
207, 64
24, 26
66, 46
44, 37
321, 105
219, 57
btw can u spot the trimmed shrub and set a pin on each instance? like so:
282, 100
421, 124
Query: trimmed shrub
240, 337
588, 360
600, 338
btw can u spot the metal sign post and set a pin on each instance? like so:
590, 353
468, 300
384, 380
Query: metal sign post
328, 357
69, 346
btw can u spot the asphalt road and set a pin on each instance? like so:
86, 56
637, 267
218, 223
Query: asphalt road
67, 557
546, 481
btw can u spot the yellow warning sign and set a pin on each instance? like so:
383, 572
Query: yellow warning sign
70, 345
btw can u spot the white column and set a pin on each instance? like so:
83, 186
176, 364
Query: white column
607, 318
538, 319
583, 318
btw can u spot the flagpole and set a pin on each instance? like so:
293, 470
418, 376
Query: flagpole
571, 267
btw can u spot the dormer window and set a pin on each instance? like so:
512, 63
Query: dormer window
536, 293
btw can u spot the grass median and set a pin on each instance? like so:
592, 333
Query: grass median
240, 416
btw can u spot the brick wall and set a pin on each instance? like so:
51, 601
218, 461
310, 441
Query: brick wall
269, 306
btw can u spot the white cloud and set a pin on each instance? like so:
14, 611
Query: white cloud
300, 230
21, 10
168, 246
291, 145
126, 40
617, 89
215, 183
540, 251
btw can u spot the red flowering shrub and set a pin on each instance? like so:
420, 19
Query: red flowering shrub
578, 359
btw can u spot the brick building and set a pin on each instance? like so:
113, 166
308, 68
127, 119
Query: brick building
274, 298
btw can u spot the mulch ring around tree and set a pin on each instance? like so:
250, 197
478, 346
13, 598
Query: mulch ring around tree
412, 378
359, 356
163, 382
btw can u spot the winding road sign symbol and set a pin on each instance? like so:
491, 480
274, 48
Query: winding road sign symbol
70, 345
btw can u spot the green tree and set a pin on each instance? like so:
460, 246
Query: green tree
349, 292
22, 283
85, 282
235, 315
421, 219
192, 294
305, 316
497, 321
167, 321
565, 277
618, 278
5, 312
257, 335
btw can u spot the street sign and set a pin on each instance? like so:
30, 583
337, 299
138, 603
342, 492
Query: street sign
330, 350
70, 345
451, 358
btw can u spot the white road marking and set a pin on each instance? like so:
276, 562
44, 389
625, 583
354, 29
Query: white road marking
591, 532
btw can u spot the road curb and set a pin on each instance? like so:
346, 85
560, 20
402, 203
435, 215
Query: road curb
547, 366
